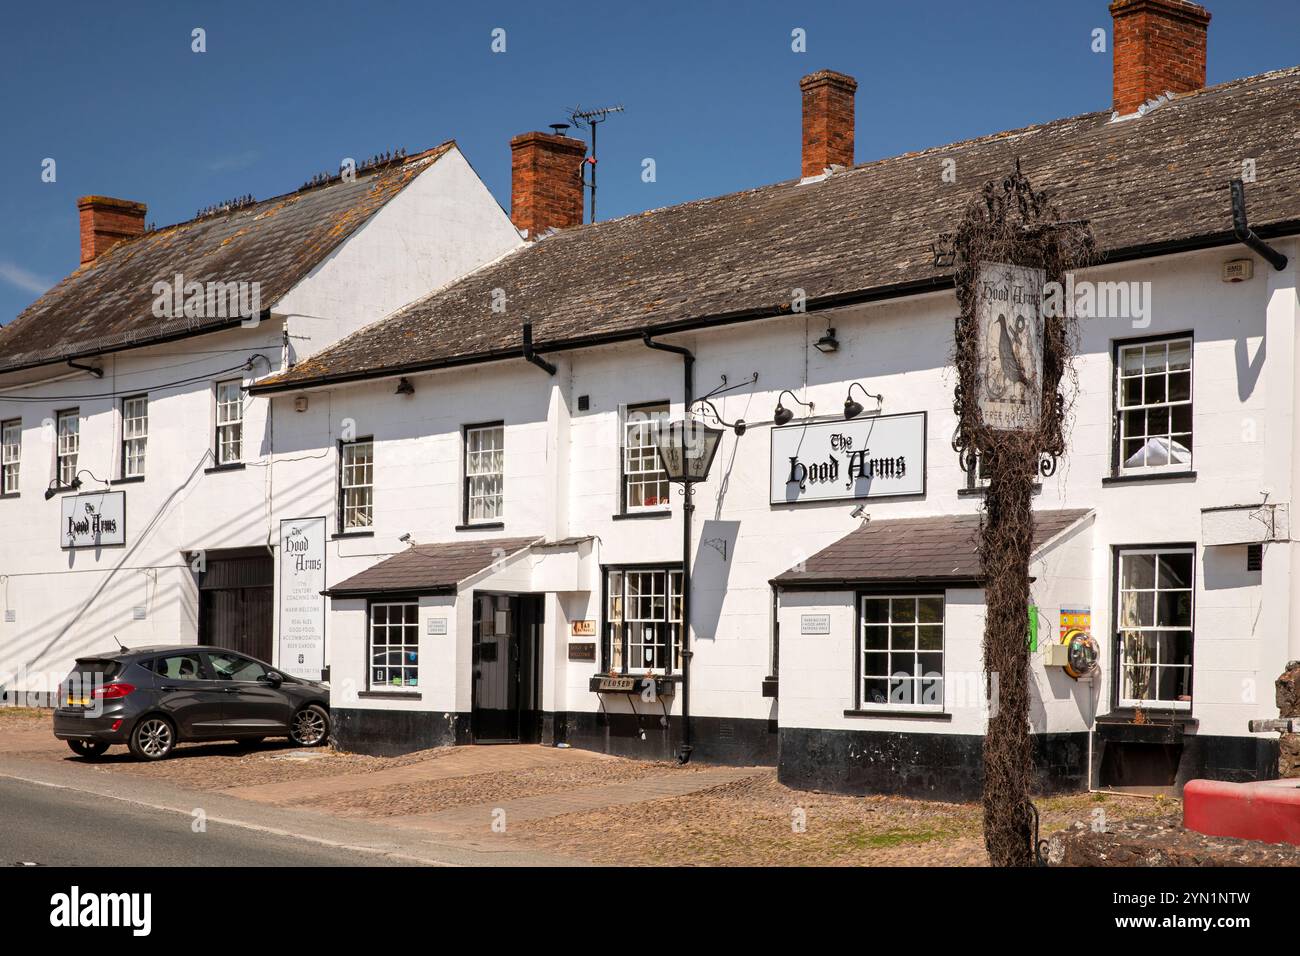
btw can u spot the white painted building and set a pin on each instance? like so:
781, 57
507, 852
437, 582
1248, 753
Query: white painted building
503, 558
151, 418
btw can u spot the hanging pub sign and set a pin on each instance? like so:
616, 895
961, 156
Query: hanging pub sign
302, 606
95, 520
1009, 326
879, 456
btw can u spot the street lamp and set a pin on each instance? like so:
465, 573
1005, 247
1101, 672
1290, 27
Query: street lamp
686, 449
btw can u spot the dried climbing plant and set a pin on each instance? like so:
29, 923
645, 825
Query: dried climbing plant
1010, 223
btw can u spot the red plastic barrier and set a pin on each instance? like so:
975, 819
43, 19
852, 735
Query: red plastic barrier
1268, 810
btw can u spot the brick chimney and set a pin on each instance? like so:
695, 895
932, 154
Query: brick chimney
105, 222
545, 182
1159, 47
827, 120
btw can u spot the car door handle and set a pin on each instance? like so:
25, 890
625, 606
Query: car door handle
230, 690
167, 687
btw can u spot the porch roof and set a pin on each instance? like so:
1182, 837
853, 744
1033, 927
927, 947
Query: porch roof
428, 568
938, 549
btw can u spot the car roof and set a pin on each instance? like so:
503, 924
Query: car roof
134, 652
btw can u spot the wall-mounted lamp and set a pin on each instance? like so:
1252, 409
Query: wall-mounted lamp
53, 488
853, 409
828, 343
404, 387
783, 415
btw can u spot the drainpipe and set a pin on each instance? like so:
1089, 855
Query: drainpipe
688, 508
531, 356
1245, 235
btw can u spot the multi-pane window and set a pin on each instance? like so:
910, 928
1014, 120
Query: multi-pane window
357, 484
11, 455
484, 473
1155, 627
644, 620
230, 422
645, 483
902, 651
1154, 405
135, 435
394, 646
68, 438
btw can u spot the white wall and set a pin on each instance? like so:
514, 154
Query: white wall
562, 473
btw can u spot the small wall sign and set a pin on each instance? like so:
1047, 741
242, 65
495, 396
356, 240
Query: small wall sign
95, 520
814, 624
616, 683
436, 626
582, 652
583, 628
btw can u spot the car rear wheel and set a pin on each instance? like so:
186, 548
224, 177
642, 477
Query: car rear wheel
153, 738
87, 748
310, 727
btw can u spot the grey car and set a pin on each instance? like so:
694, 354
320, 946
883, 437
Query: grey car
153, 698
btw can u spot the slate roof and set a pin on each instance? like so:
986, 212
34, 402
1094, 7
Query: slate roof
107, 304
429, 568
939, 549
1155, 182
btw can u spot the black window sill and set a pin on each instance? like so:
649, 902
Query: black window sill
900, 714
133, 480
12, 494
231, 466
388, 695
337, 535
664, 684
1167, 726
1157, 476
979, 490
770, 687
634, 515
489, 526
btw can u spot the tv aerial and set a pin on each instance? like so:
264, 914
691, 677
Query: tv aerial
588, 119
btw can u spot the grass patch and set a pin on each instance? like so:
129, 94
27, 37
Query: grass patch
22, 712
867, 840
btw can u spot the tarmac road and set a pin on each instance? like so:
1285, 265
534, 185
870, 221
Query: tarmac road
62, 827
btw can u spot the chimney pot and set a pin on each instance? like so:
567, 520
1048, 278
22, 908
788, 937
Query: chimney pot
545, 182
827, 120
1158, 47
106, 221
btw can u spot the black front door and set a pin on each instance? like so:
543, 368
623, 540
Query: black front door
236, 609
507, 706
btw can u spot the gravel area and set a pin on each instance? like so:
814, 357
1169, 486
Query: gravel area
206, 766
434, 795
751, 823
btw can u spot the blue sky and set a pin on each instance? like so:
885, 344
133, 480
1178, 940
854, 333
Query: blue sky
115, 95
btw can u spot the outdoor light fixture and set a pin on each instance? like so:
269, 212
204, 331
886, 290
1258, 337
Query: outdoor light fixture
783, 415
404, 386
853, 409
686, 450
54, 487
828, 343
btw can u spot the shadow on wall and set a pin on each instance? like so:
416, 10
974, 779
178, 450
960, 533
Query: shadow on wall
710, 574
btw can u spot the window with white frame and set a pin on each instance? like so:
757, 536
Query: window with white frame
230, 422
135, 435
68, 438
394, 646
1154, 618
11, 455
356, 484
643, 623
902, 651
645, 483
1154, 405
484, 473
